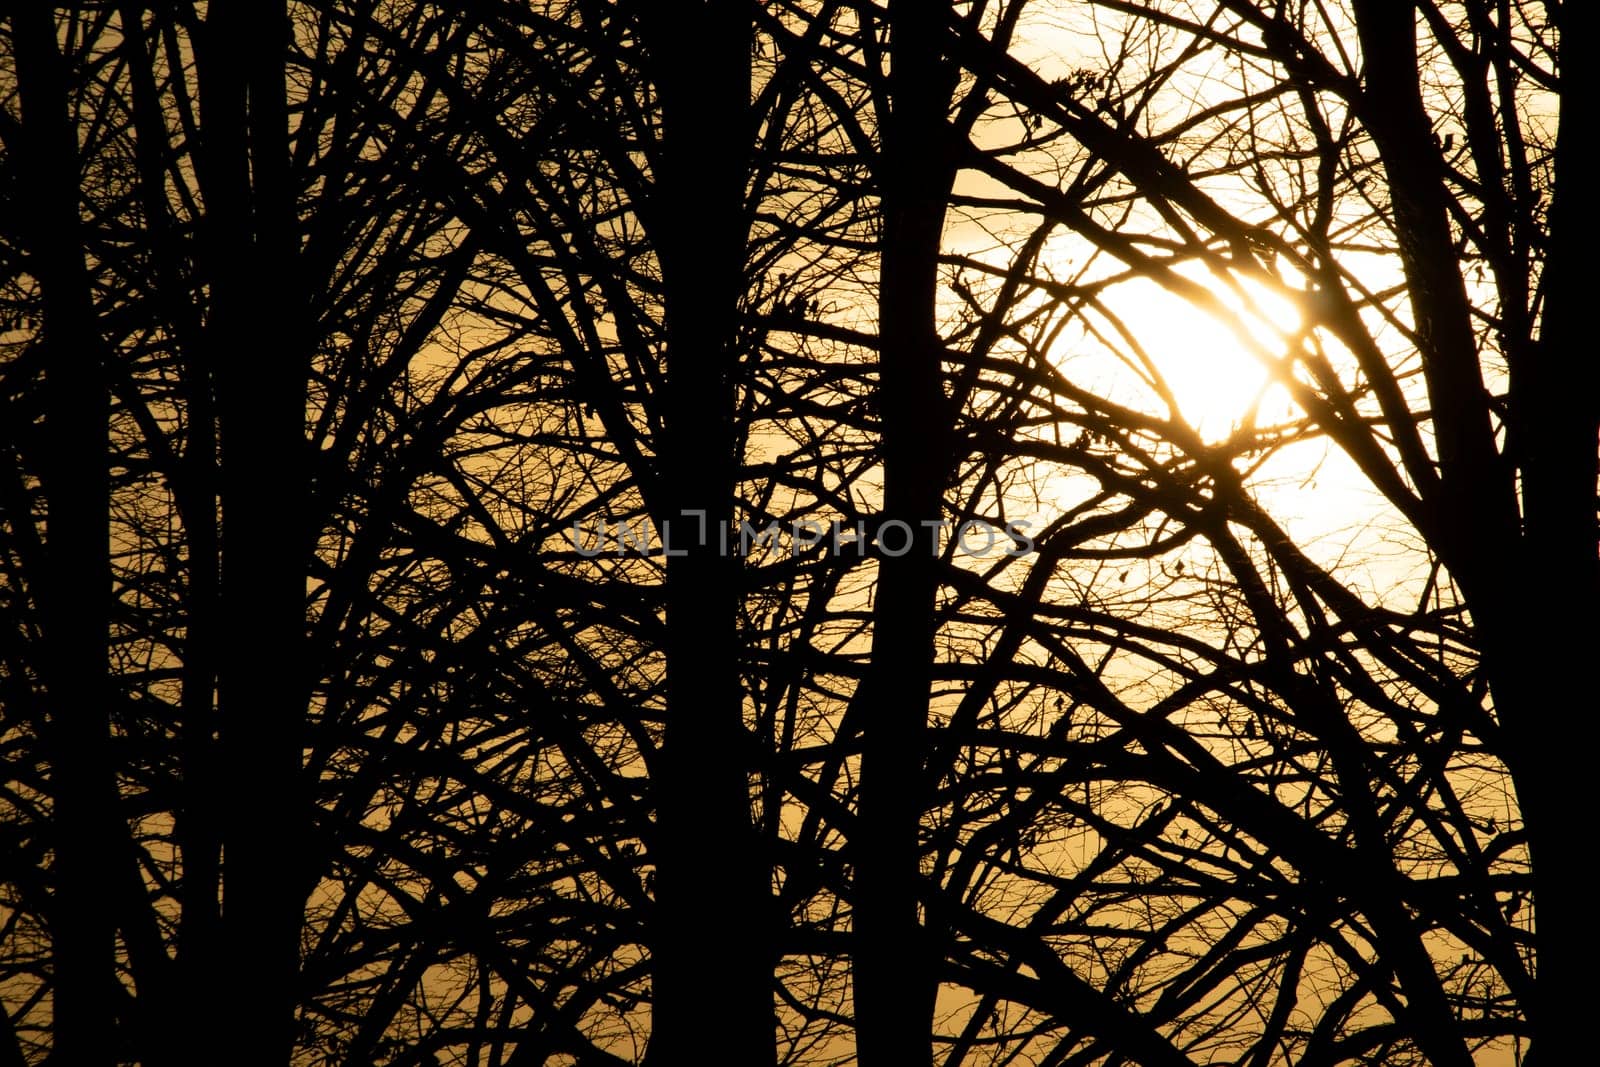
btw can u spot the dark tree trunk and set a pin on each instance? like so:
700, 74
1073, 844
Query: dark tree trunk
259, 365
895, 960
1528, 567
1544, 628
192, 1021
712, 965
75, 590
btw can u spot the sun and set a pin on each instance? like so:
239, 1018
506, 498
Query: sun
1212, 369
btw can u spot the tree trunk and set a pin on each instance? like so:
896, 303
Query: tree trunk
260, 365
896, 962
75, 591
713, 964
1546, 626
191, 1027
1519, 567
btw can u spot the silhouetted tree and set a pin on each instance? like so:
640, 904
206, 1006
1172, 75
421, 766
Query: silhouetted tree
66, 442
357, 358
1299, 159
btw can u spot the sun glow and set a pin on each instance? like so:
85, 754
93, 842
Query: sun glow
1211, 369
1216, 370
